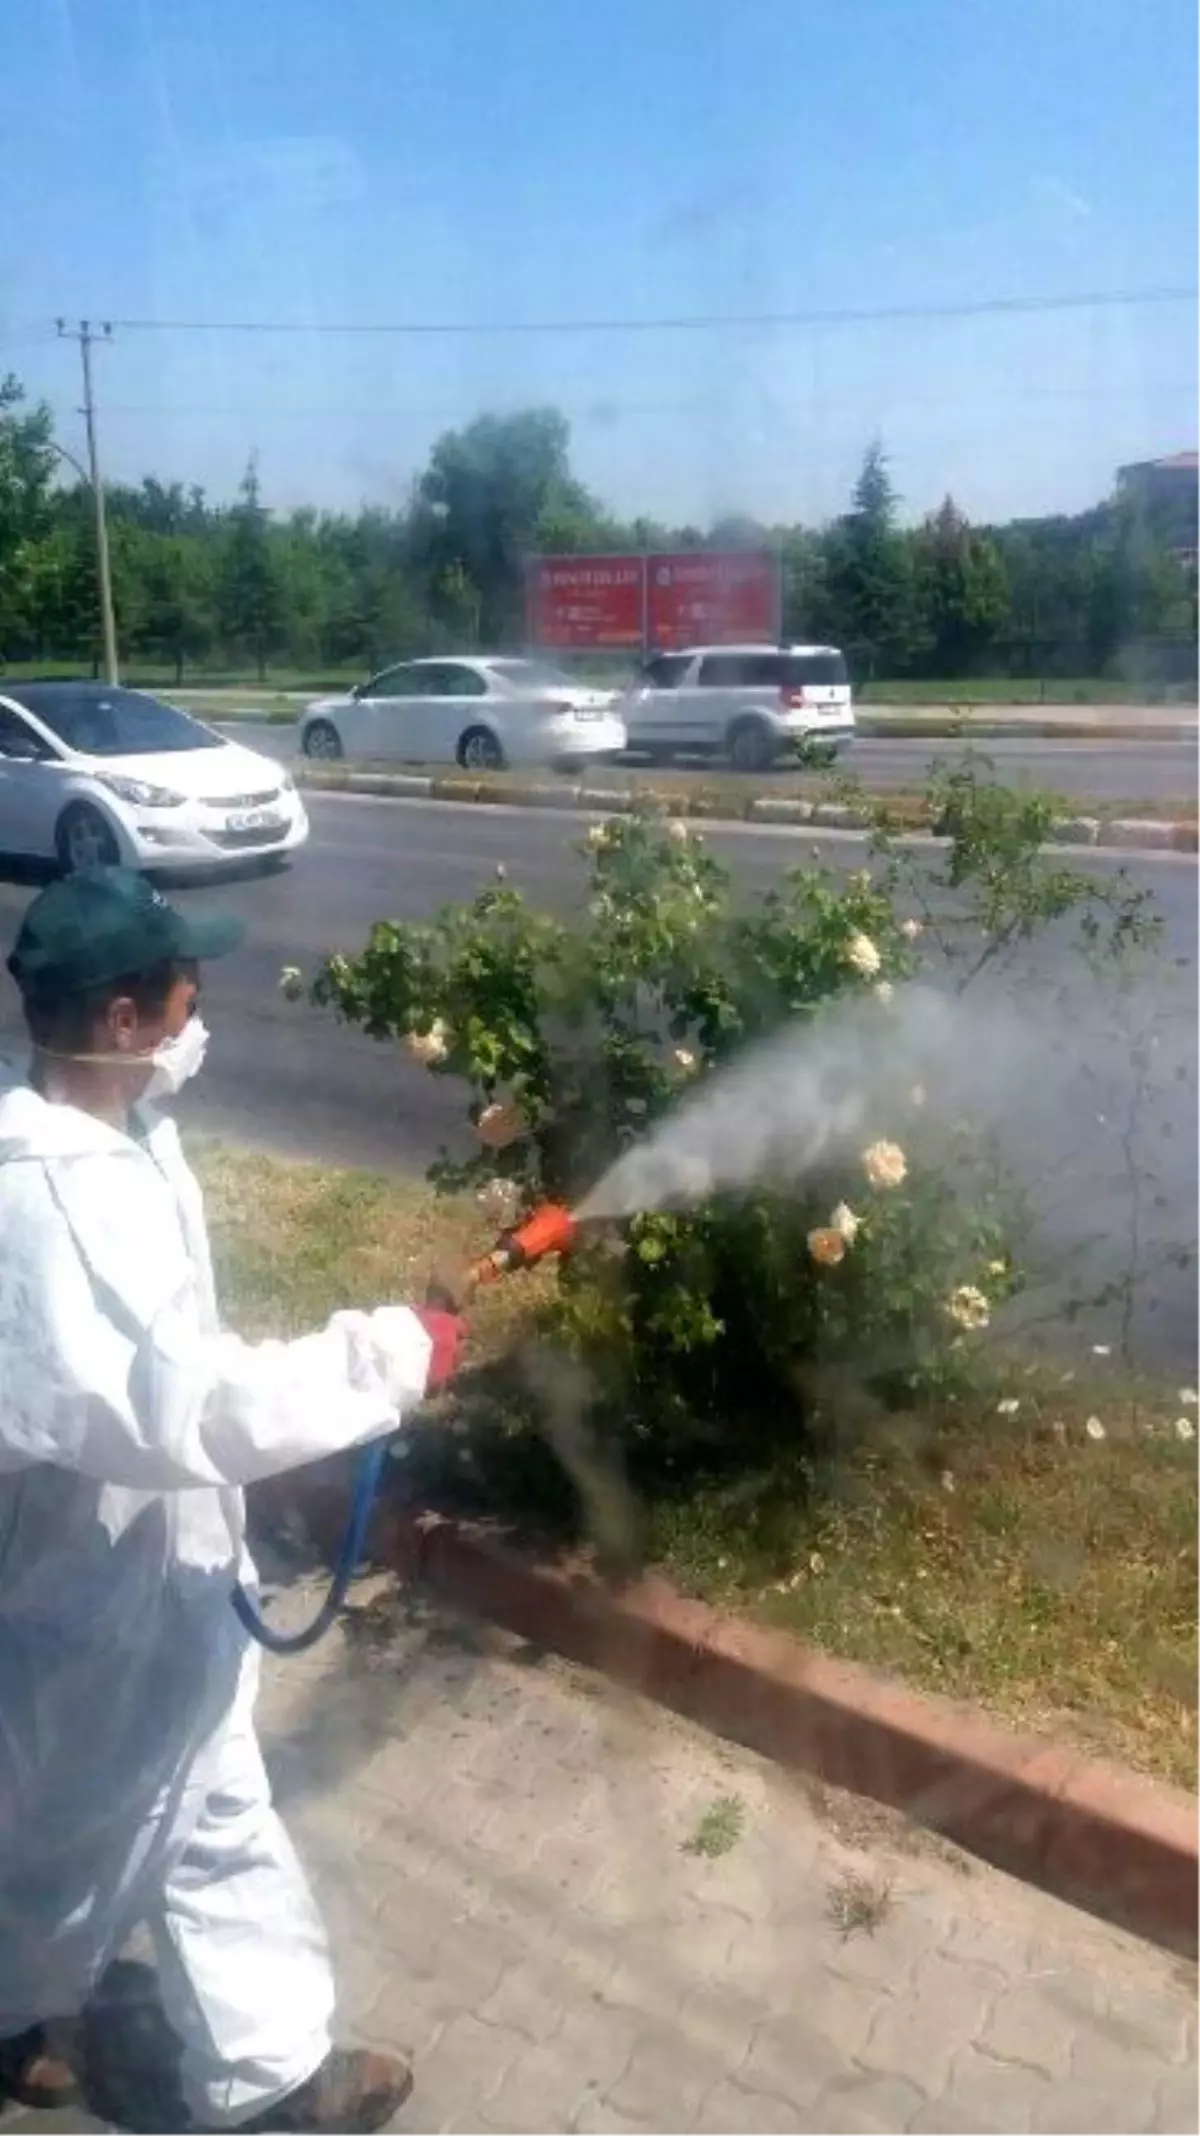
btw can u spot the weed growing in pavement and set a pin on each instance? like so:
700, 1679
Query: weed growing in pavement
719, 1830
858, 1906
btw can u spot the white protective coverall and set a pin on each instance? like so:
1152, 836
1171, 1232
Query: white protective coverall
131, 1784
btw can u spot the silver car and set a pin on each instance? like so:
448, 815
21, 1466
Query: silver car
92, 773
481, 713
751, 703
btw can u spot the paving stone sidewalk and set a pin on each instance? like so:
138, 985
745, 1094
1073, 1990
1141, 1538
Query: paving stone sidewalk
581, 1914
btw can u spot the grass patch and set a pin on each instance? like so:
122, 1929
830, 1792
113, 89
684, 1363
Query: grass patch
1006, 690
1015, 1559
293, 1242
1014, 1562
616, 672
719, 1830
243, 710
154, 675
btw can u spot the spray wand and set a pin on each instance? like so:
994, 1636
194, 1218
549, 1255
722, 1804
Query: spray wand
552, 1229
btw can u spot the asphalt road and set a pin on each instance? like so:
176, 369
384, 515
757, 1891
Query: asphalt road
1088, 770
1094, 770
285, 1077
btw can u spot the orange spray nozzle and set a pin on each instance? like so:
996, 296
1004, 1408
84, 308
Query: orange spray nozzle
551, 1229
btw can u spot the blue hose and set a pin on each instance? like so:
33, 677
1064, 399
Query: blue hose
366, 1485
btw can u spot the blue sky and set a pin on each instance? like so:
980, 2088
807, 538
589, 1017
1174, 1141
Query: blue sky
356, 161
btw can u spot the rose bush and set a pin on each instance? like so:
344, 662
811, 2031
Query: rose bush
720, 1335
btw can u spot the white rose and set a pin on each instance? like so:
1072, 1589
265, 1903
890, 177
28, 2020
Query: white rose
884, 991
428, 1048
885, 1164
677, 832
844, 1220
684, 1059
910, 929
968, 1308
862, 955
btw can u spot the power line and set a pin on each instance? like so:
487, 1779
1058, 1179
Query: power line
582, 411
28, 337
681, 323
610, 414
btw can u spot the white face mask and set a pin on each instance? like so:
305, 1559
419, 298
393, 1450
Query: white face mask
177, 1060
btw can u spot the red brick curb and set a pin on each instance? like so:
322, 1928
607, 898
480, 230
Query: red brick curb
1106, 1839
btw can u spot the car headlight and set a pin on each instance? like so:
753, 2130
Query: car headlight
138, 792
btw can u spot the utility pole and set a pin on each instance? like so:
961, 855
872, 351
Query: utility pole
86, 334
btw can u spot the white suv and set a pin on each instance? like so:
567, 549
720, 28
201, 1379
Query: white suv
752, 703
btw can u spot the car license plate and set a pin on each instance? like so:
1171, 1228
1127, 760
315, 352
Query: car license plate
255, 819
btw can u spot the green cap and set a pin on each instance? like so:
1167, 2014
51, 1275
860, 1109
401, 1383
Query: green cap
109, 923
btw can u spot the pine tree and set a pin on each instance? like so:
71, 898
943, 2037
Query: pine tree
964, 590
251, 596
871, 575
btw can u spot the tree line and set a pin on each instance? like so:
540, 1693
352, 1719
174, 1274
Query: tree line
204, 587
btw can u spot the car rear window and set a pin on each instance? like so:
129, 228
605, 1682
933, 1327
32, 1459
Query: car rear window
531, 674
665, 671
816, 668
741, 671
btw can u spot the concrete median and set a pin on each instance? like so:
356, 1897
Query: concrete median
709, 805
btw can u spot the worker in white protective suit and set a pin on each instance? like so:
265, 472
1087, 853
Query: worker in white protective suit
132, 1789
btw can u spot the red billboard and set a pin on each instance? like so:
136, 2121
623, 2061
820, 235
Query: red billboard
712, 597
692, 597
581, 601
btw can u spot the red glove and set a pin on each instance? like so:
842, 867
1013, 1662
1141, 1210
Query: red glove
446, 1332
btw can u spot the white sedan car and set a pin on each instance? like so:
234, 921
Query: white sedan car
92, 774
480, 713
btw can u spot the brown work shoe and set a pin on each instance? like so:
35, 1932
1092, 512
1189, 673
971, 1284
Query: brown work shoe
353, 2090
34, 2075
